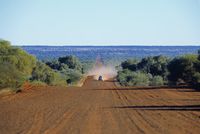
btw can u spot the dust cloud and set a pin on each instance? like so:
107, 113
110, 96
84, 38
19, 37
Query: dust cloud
99, 69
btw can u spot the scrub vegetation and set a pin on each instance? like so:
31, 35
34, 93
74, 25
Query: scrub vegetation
161, 70
17, 67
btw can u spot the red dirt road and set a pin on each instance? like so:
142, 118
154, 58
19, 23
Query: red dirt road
101, 108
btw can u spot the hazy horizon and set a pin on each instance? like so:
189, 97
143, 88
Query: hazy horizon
123, 45
102, 23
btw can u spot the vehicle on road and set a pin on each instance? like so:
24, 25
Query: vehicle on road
100, 78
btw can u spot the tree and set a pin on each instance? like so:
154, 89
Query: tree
157, 81
10, 76
145, 64
16, 65
129, 78
72, 62
196, 75
130, 64
54, 64
196, 80
45, 74
23, 61
182, 68
156, 65
159, 67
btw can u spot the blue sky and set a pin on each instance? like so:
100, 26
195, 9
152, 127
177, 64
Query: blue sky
100, 22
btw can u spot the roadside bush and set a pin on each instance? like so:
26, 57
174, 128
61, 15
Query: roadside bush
196, 80
156, 65
71, 76
157, 81
54, 64
38, 83
72, 62
45, 74
154, 68
139, 79
122, 76
15, 65
199, 54
23, 61
70, 68
182, 68
130, 64
129, 78
10, 76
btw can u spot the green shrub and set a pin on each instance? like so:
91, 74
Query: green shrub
38, 83
157, 81
130, 64
70, 68
72, 62
129, 78
45, 74
196, 80
182, 68
139, 79
17, 57
15, 65
10, 76
71, 76
156, 65
54, 64
199, 54
121, 77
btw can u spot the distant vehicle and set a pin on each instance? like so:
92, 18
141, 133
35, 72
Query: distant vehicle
100, 78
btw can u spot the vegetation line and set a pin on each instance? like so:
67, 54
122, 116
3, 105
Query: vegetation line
18, 67
161, 70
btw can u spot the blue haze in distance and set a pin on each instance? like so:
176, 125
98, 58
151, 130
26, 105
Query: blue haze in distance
100, 22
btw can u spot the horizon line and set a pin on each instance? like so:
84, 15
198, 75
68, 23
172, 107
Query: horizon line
89, 45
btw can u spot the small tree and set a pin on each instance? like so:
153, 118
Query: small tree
71, 76
156, 65
157, 81
196, 80
10, 76
45, 74
182, 68
72, 62
16, 65
130, 64
129, 78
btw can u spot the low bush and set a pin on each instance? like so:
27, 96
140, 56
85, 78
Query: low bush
196, 80
182, 68
72, 62
162, 70
139, 79
39, 83
15, 65
157, 81
45, 74
70, 68
10, 76
71, 76
129, 78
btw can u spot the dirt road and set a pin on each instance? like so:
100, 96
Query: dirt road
101, 108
